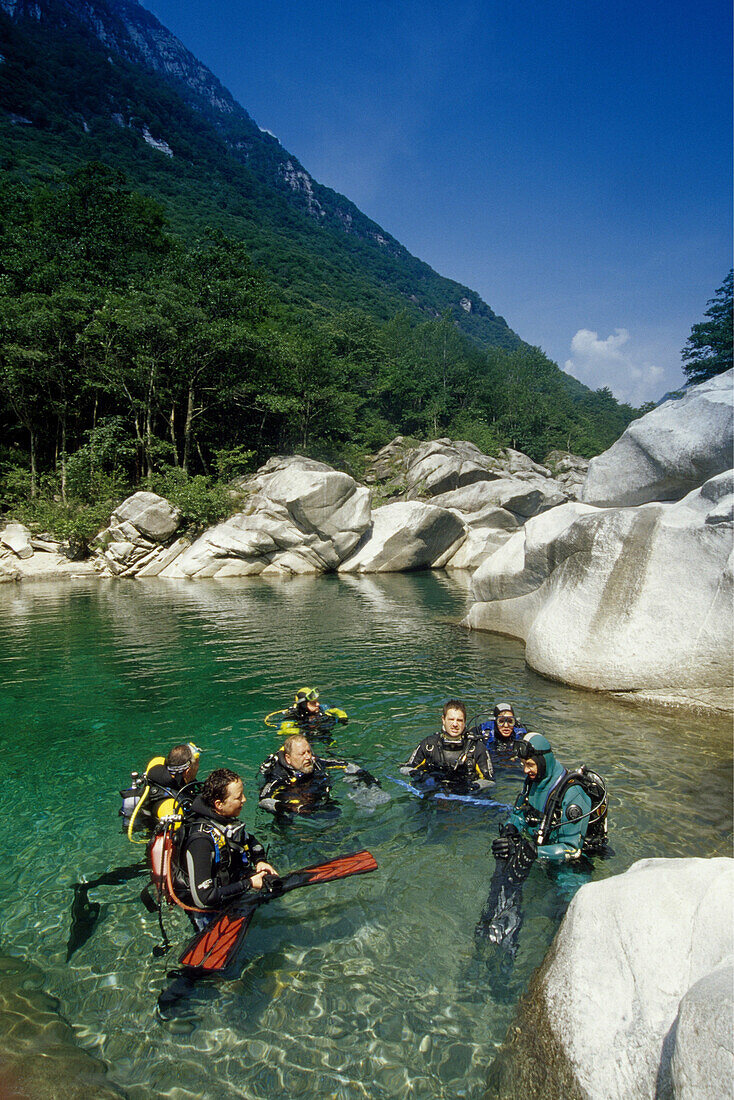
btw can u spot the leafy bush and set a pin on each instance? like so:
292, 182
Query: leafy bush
202, 500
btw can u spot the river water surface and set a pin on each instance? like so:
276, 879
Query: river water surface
370, 987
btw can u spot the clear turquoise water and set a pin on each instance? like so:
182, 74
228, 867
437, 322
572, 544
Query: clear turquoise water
366, 988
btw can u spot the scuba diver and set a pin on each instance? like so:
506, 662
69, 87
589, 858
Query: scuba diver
150, 795
296, 781
454, 756
501, 732
307, 716
558, 817
154, 794
215, 859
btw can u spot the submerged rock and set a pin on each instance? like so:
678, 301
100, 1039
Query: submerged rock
633, 1000
669, 451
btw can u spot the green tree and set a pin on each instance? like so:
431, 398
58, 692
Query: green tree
709, 348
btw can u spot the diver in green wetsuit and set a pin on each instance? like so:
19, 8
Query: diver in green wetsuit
558, 835
558, 816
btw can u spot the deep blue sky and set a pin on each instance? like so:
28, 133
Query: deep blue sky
570, 161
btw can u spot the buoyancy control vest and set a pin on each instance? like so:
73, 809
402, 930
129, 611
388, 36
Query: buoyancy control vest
594, 787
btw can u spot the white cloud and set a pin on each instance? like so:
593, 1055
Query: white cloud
616, 362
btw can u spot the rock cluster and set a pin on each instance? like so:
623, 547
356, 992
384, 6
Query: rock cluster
301, 516
35, 557
140, 538
630, 599
632, 1000
490, 496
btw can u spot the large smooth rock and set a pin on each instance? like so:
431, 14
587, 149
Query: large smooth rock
626, 600
669, 451
480, 543
407, 535
442, 465
600, 1018
17, 537
302, 516
703, 1038
149, 514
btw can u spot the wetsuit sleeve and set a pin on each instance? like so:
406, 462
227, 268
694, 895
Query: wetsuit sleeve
200, 870
417, 761
482, 763
257, 851
566, 841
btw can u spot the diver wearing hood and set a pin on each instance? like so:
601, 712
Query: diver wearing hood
552, 813
557, 816
501, 732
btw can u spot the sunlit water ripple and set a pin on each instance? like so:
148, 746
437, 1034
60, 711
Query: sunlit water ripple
367, 988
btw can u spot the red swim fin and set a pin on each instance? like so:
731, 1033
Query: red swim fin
213, 949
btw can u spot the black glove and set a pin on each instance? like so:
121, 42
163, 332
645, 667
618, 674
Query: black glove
502, 847
509, 830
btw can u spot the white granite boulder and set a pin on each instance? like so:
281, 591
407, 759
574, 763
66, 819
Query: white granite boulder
442, 465
147, 515
702, 1038
669, 451
407, 535
625, 600
613, 1009
17, 537
302, 516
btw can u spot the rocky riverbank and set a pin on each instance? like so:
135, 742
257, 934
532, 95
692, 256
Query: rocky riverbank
617, 575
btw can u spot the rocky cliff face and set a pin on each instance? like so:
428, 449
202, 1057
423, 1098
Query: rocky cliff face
129, 31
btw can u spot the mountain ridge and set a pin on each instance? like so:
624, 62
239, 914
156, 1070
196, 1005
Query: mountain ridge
135, 37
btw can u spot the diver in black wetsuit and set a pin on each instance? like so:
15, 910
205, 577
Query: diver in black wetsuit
217, 860
160, 784
296, 781
454, 756
180, 769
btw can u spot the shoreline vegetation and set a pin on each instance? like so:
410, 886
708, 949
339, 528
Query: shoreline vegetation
133, 359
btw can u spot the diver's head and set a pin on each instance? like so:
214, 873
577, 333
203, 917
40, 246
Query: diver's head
223, 792
307, 700
298, 754
183, 760
537, 756
504, 720
453, 718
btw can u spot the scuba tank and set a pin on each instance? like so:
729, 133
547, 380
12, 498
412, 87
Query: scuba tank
596, 831
134, 817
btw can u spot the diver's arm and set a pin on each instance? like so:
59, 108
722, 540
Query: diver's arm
417, 762
482, 763
340, 715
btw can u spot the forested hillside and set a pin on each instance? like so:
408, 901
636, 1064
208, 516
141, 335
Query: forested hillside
170, 314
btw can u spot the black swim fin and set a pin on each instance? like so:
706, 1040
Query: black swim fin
85, 913
214, 949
